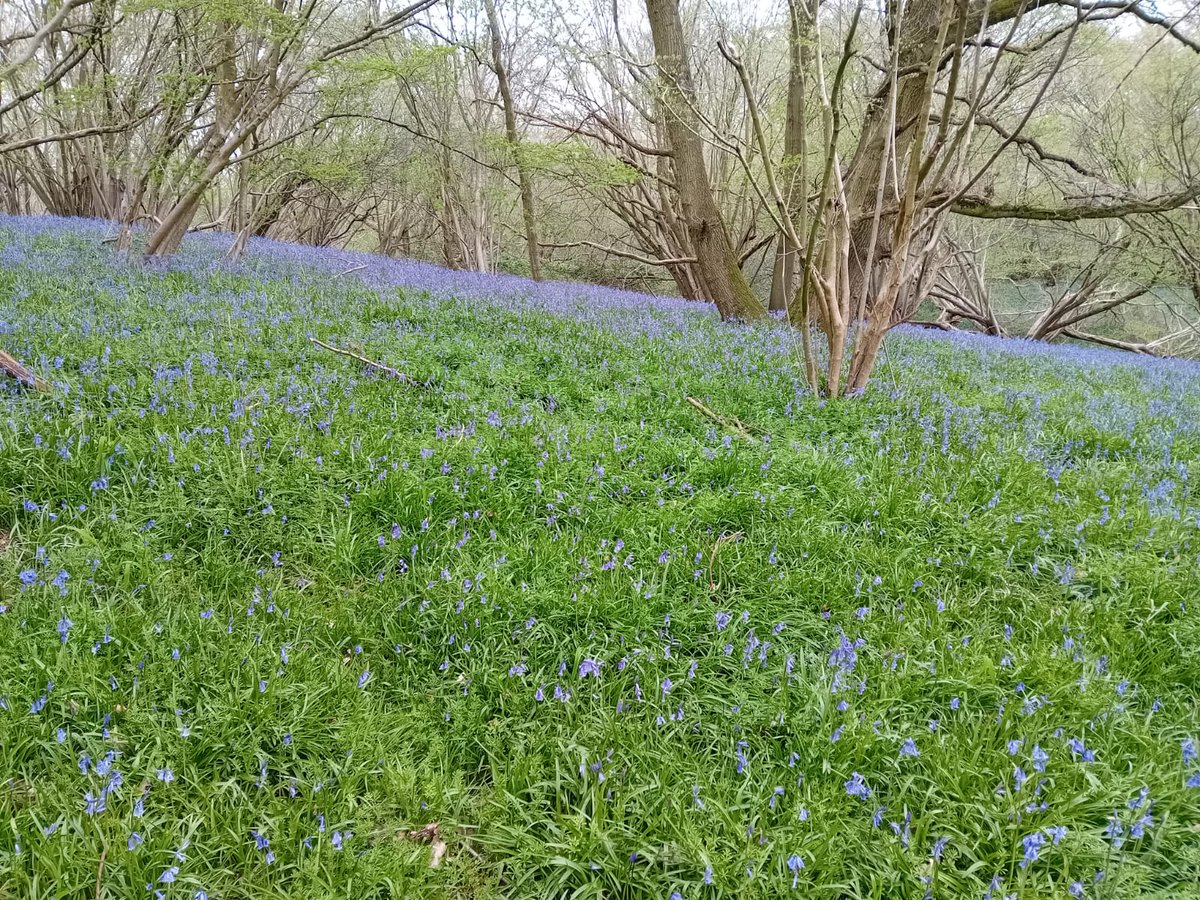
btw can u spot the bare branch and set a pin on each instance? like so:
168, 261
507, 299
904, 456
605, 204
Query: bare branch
624, 254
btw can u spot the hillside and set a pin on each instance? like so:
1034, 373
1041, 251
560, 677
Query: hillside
274, 625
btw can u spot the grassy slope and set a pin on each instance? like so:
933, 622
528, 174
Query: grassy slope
1007, 541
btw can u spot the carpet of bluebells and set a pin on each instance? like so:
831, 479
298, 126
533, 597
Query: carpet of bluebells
274, 626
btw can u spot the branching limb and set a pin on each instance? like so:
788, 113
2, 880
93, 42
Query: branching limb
624, 254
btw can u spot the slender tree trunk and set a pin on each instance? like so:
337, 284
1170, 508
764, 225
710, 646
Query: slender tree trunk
914, 107
716, 260
224, 137
795, 149
169, 234
510, 130
242, 217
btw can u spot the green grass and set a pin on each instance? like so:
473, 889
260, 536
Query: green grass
201, 454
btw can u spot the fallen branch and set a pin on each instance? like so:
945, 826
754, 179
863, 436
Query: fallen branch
733, 423
12, 368
429, 834
1145, 349
351, 269
371, 364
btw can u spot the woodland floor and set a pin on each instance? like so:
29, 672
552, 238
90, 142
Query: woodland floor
272, 625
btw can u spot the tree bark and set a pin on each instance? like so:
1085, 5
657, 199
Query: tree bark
510, 130
716, 260
795, 149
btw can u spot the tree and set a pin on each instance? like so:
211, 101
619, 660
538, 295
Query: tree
510, 131
263, 60
718, 264
794, 164
872, 248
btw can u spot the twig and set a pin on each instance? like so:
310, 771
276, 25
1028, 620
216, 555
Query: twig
351, 269
891, 368
10, 366
733, 423
712, 557
371, 364
100, 871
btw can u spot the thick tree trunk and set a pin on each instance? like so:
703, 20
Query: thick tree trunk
716, 260
169, 235
510, 130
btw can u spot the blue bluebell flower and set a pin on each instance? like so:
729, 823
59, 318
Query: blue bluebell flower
590, 668
1115, 832
939, 847
1033, 844
795, 864
1137, 829
856, 786
1040, 758
1019, 778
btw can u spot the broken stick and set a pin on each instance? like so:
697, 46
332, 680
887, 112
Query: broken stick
733, 423
371, 364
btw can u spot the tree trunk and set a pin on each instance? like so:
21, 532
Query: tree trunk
716, 260
795, 149
912, 115
510, 130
